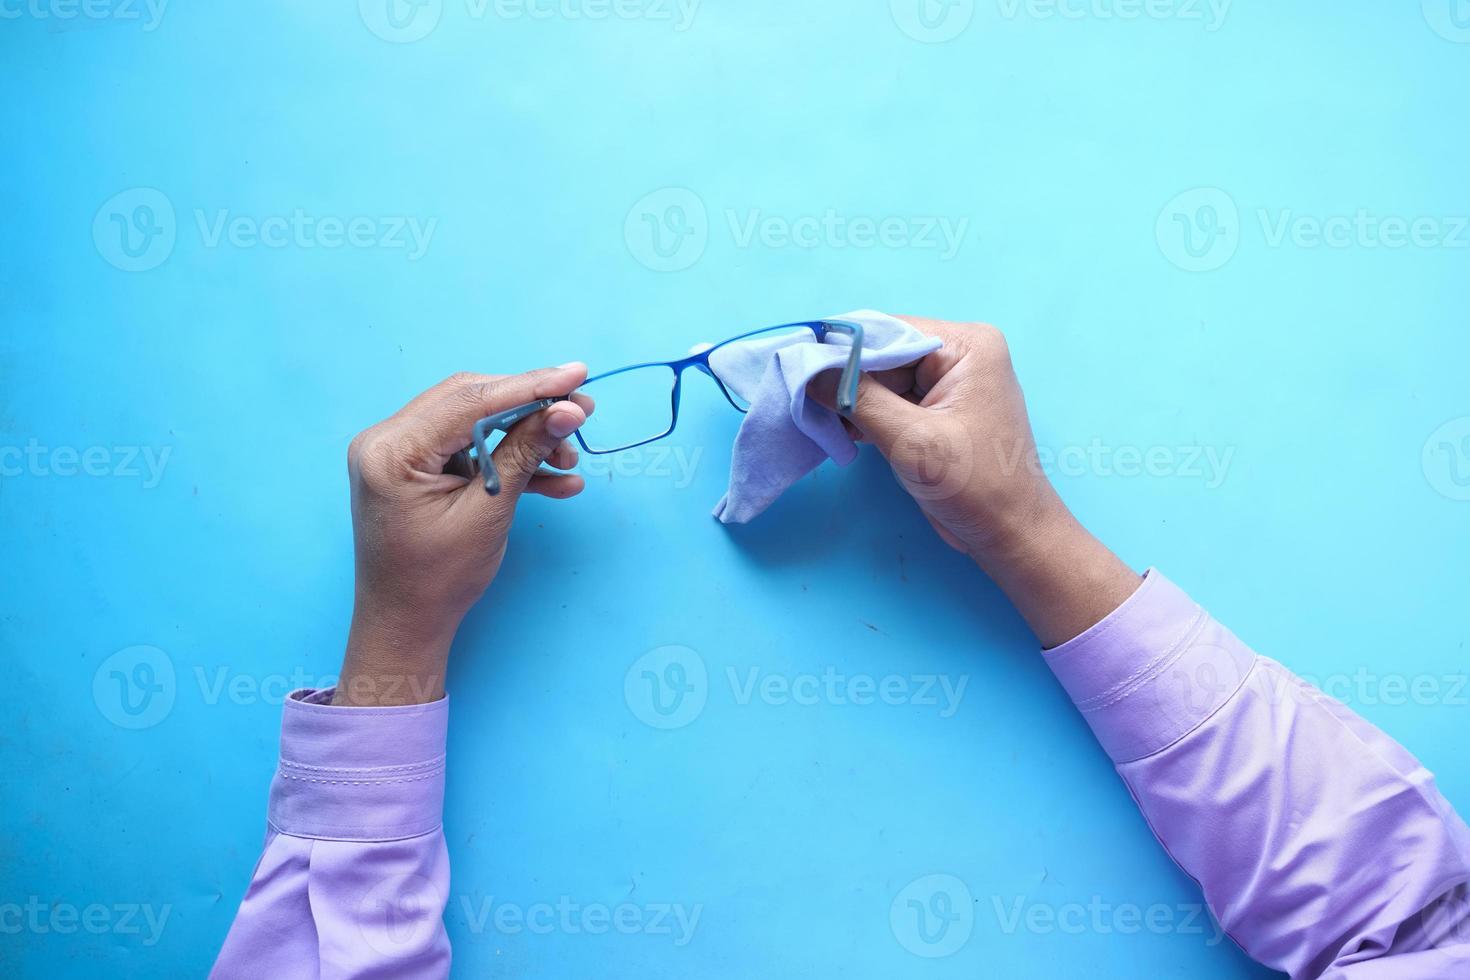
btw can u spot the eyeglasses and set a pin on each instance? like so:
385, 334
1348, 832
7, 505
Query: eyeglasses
639, 404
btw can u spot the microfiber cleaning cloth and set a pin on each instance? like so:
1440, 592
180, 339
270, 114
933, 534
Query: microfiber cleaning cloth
785, 435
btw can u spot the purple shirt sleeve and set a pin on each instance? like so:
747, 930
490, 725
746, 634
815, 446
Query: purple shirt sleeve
1321, 845
354, 876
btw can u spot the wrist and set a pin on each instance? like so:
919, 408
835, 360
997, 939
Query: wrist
394, 656
1023, 532
1060, 577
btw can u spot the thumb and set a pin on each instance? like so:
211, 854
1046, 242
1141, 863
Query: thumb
528, 444
930, 450
884, 417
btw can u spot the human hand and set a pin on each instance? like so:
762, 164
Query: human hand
954, 428
428, 543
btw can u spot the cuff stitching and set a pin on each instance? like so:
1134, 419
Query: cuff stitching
363, 782
415, 767
1153, 668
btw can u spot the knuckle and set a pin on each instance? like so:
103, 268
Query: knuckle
462, 379
360, 442
379, 461
481, 392
991, 339
522, 455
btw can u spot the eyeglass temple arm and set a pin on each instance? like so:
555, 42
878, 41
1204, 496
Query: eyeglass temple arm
479, 453
847, 388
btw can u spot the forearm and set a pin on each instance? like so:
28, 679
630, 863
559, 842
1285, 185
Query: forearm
1059, 577
394, 657
1321, 845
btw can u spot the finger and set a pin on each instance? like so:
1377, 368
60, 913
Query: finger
559, 486
956, 338
883, 416
823, 388
531, 441
440, 421
564, 456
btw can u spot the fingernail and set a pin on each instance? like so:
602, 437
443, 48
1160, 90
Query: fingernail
570, 364
561, 424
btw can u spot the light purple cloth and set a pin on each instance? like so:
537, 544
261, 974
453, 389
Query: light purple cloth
1322, 846
785, 435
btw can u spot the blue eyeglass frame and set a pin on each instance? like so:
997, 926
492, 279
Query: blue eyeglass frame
478, 455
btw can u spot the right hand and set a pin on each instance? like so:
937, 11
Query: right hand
954, 428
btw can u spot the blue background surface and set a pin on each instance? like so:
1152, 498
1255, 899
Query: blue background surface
1121, 182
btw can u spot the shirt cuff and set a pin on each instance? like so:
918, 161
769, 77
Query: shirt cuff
359, 774
1151, 672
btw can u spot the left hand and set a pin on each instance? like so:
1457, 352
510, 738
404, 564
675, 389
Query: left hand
428, 543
